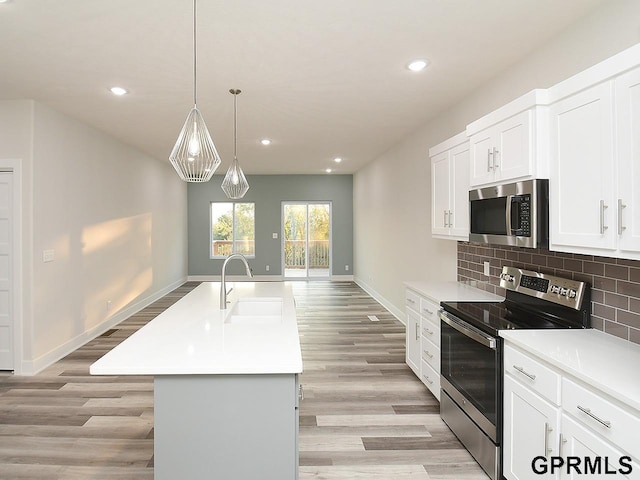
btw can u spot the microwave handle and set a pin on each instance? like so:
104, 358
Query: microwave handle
508, 213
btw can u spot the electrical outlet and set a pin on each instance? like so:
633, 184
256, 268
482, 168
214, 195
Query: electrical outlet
346, 268
486, 269
48, 256
274, 235
267, 268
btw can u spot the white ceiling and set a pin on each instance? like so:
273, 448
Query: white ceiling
321, 78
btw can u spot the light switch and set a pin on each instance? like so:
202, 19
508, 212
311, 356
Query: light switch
48, 255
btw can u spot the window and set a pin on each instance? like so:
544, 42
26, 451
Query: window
232, 229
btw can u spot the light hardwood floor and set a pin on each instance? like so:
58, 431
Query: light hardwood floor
364, 416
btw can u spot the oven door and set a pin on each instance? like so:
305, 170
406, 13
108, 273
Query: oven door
471, 372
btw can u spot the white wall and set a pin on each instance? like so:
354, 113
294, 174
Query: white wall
116, 219
392, 194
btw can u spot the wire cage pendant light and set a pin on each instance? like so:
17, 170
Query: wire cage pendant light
194, 156
235, 184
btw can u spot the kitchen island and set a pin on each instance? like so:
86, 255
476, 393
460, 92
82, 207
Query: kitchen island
225, 382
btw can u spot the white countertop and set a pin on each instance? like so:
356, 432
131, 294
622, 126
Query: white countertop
451, 292
609, 363
192, 337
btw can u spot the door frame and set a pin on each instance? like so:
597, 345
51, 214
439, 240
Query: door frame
14, 166
282, 239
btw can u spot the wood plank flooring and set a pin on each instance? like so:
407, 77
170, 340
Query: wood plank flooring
364, 416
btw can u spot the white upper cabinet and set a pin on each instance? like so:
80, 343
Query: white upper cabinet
510, 143
450, 188
594, 186
627, 95
581, 184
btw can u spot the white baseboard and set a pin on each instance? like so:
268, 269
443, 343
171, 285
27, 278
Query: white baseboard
44, 361
342, 278
396, 312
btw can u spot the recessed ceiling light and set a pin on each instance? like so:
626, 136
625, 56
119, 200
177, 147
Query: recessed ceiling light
418, 65
5, 1
337, 159
265, 141
328, 170
117, 90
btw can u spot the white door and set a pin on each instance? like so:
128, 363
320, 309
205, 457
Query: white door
582, 216
459, 217
514, 156
530, 430
481, 170
6, 274
441, 181
628, 129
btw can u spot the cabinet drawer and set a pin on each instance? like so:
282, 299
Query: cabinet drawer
429, 310
412, 300
431, 379
533, 374
431, 354
619, 426
431, 331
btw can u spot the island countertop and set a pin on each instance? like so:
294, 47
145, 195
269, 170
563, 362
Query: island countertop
194, 337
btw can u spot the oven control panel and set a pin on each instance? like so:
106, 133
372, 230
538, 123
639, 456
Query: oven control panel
563, 291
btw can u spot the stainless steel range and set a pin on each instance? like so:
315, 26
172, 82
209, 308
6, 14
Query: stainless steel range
471, 378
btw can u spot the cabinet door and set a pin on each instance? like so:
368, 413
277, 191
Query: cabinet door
413, 341
628, 142
440, 185
578, 441
582, 213
481, 145
530, 430
514, 145
459, 195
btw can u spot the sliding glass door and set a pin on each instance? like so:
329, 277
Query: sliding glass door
306, 240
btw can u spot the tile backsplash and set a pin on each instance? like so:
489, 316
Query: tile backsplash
615, 283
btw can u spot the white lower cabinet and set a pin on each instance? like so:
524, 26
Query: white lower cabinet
423, 340
552, 418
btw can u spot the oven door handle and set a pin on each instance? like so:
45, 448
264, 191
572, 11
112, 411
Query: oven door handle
469, 331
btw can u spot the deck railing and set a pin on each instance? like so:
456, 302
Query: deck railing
295, 253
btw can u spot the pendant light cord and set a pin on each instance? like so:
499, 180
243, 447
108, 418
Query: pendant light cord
195, 55
235, 92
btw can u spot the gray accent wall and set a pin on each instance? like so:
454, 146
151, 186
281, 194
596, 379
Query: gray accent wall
268, 192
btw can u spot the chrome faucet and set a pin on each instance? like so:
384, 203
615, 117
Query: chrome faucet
223, 284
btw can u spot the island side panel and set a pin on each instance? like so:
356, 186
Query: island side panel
226, 426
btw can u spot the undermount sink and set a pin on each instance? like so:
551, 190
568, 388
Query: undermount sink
256, 311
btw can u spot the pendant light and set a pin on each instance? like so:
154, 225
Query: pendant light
235, 184
194, 155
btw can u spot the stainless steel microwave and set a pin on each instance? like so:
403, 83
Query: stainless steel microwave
511, 214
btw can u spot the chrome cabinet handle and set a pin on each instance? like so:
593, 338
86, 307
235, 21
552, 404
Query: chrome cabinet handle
495, 156
417, 332
411, 301
489, 153
430, 355
562, 442
524, 372
445, 219
429, 332
606, 423
603, 207
430, 312
300, 392
450, 222
427, 379
621, 227
547, 430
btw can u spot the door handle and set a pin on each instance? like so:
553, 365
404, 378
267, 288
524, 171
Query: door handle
489, 153
450, 214
495, 157
621, 227
547, 430
603, 207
